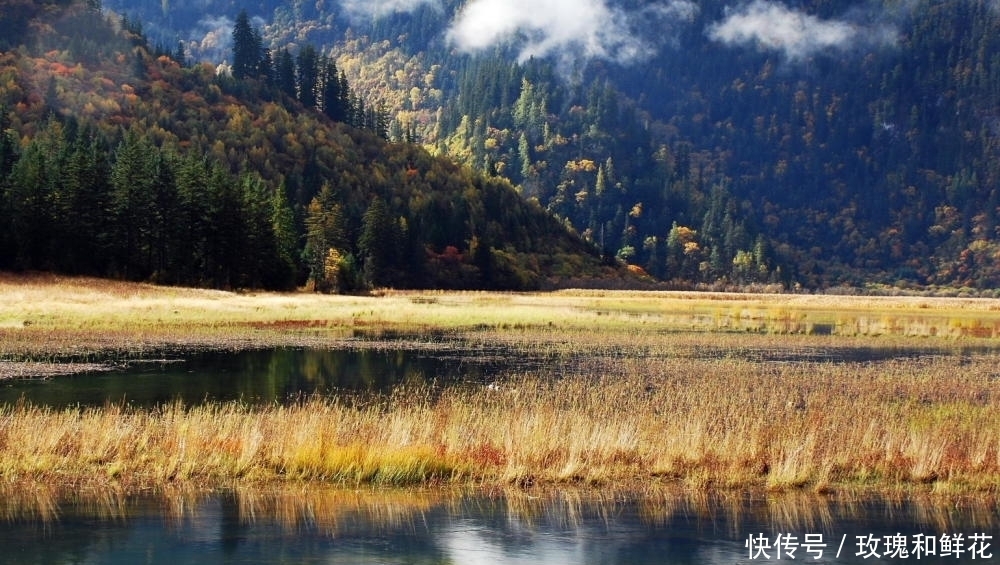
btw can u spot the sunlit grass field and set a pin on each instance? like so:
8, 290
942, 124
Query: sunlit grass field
706, 391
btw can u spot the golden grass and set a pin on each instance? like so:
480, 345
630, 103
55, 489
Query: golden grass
44, 317
719, 423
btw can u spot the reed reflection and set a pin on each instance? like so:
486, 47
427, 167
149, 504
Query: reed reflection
652, 525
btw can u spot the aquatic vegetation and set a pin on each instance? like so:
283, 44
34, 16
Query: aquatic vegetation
723, 423
637, 389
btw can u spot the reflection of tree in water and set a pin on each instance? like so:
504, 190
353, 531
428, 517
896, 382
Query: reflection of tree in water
260, 376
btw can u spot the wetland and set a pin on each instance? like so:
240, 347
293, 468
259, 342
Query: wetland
456, 397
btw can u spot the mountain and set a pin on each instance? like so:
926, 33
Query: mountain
808, 142
121, 158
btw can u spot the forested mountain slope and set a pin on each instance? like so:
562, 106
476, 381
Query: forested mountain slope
122, 159
811, 142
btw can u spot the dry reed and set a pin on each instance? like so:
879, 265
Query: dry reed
930, 423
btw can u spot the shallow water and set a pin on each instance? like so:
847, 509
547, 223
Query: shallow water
258, 376
554, 528
284, 375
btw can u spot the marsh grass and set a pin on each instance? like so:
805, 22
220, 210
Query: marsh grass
701, 423
51, 318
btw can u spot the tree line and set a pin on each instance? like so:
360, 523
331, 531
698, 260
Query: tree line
309, 77
73, 204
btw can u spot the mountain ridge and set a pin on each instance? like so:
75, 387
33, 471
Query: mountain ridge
811, 143
120, 161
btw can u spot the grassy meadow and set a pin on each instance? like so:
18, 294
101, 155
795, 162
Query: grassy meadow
708, 391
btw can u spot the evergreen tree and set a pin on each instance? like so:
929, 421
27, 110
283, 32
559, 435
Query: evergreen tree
86, 220
194, 220
307, 76
246, 48
227, 229
163, 214
284, 72
325, 233
332, 98
132, 177
8, 156
283, 272
35, 196
258, 247
376, 244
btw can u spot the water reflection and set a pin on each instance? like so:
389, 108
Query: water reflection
298, 525
261, 376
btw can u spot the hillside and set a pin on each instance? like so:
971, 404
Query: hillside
814, 143
118, 158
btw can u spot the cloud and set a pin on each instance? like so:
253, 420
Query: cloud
371, 9
568, 28
774, 27
211, 39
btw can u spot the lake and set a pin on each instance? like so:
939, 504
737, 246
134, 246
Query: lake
287, 374
261, 376
557, 527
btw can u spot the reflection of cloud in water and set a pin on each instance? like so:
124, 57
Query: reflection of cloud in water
469, 543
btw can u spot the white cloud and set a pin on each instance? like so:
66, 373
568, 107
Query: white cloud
567, 28
376, 8
211, 39
775, 27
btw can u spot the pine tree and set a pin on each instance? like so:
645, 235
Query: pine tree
258, 247
332, 99
283, 273
376, 244
246, 48
325, 232
194, 220
35, 194
86, 218
164, 233
8, 156
307, 75
284, 71
131, 202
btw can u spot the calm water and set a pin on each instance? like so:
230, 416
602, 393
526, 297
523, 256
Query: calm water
263, 376
561, 528
285, 374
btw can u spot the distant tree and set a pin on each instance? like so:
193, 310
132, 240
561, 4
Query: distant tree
131, 202
332, 99
307, 75
325, 232
284, 73
283, 273
376, 243
246, 48
8, 144
265, 67
34, 197
84, 214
